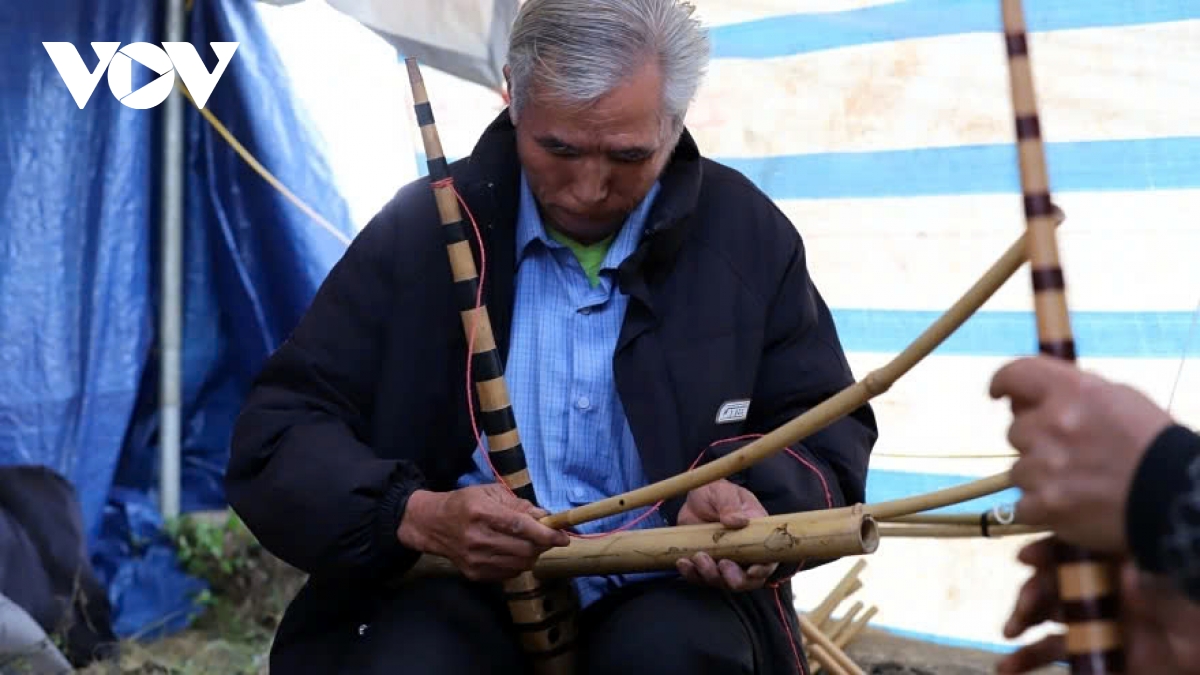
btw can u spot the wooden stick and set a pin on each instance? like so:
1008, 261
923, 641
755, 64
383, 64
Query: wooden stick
815, 419
840, 624
855, 628
772, 539
851, 632
1088, 584
829, 653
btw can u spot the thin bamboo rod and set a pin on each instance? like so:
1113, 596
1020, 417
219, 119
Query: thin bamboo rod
842, 623
817, 418
947, 519
824, 649
851, 632
955, 531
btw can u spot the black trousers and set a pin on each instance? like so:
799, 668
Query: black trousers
454, 627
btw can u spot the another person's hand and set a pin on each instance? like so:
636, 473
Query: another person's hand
1081, 439
1157, 622
733, 506
487, 533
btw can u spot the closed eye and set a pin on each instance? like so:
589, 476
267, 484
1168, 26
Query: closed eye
631, 156
557, 147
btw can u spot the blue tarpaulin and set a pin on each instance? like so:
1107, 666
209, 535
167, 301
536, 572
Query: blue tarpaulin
79, 200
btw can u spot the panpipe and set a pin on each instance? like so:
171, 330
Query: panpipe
545, 615
1087, 584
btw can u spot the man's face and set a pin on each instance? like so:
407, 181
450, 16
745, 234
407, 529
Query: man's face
590, 168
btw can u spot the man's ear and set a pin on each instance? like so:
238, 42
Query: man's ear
508, 82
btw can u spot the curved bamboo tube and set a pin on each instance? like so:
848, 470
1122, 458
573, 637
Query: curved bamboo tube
837, 406
1088, 584
788, 538
544, 616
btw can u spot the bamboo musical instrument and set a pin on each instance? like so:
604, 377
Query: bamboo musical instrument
544, 615
1087, 584
569, 561
827, 412
790, 538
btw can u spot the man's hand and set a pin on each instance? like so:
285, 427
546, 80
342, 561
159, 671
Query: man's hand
1158, 622
487, 533
733, 506
1081, 438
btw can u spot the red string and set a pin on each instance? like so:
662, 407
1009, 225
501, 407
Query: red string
775, 585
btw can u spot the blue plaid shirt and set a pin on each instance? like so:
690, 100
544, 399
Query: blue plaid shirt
577, 441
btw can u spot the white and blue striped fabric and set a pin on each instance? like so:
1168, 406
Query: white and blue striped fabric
884, 130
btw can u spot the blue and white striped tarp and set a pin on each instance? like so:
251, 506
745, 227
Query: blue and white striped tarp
884, 130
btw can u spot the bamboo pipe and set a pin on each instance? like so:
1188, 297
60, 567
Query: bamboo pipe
544, 616
837, 406
825, 660
841, 624
1088, 583
851, 632
771, 539
824, 649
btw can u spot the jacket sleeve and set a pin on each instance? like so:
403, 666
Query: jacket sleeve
803, 364
1163, 509
302, 474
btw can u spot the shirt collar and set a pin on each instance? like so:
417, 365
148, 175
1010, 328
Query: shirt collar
530, 227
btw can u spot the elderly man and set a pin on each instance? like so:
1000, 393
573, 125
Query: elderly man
652, 307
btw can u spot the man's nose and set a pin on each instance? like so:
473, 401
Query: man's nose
590, 184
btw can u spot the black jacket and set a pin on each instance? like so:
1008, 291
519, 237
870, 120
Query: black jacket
365, 401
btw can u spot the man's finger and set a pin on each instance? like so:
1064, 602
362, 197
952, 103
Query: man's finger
1031, 657
734, 518
762, 571
525, 527
1039, 554
707, 568
1026, 381
687, 569
1036, 602
732, 574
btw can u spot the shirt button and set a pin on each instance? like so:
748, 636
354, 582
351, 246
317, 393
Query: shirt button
583, 403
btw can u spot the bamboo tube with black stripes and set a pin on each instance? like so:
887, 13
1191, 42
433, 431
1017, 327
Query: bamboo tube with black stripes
545, 614
1087, 583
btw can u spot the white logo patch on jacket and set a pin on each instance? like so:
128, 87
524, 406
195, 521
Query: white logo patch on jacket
733, 411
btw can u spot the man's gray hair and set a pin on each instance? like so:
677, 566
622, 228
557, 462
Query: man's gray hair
576, 51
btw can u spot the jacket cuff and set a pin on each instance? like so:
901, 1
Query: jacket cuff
405, 480
1161, 477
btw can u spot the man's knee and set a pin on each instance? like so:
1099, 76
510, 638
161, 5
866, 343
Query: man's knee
678, 628
437, 626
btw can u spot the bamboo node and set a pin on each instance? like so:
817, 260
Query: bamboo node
876, 383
